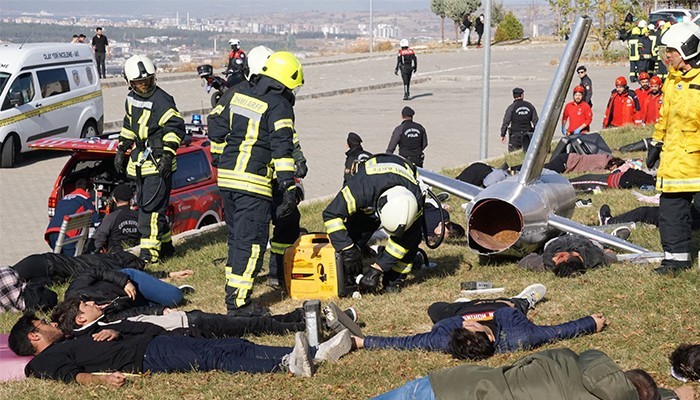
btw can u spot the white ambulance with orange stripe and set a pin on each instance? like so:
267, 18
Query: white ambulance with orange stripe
47, 90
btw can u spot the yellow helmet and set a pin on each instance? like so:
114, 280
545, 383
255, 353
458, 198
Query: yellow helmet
283, 67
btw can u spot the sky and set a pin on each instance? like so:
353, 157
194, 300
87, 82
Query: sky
207, 8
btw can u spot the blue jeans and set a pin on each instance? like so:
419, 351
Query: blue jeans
418, 389
183, 353
152, 290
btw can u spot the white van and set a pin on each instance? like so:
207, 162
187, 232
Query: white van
47, 89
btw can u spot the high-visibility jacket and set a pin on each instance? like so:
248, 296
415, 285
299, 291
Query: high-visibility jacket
633, 44
577, 114
679, 130
622, 109
251, 130
151, 122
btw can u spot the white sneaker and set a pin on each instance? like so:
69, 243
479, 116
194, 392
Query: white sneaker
332, 349
300, 363
533, 293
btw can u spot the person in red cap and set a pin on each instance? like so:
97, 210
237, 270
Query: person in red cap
652, 105
578, 113
623, 106
642, 92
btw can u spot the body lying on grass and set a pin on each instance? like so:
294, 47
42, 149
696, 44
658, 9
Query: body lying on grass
569, 255
477, 329
76, 317
143, 347
548, 374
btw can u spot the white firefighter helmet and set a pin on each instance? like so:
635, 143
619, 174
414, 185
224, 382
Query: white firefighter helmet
403, 43
684, 37
257, 57
138, 70
642, 24
234, 42
398, 209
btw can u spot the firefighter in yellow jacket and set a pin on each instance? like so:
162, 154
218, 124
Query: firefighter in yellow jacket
154, 128
676, 143
251, 131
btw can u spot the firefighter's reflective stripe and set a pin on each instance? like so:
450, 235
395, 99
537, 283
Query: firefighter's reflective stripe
295, 140
167, 237
139, 103
349, 200
334, 225
245, 181
217, 110
143, 124
284, 164
654, 46
284, 123
677, 185
395, 250
217, 148
279, 248
402, 267
633, 45
372, 167
246, 147
244, 282
127, 134
147, 168
247, 106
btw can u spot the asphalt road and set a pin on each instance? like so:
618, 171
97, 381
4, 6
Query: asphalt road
341, 94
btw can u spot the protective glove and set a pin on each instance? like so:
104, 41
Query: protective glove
577, 131
215, 160
300, 169
370, 281
119, 160
165, 166
289, 199
654, 153
415, 70
352, 261
396, 72
563, 130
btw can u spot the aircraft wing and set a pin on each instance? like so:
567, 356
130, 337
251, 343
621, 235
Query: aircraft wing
607, 239
453, 186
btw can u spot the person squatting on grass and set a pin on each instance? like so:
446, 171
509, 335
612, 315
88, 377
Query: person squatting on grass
477, 329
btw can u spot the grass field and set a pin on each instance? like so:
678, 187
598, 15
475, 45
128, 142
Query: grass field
648, 314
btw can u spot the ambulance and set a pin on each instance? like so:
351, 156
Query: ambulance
47, 90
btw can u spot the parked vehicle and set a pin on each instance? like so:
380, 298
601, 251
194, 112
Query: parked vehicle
679, 14
195, 200
47, 90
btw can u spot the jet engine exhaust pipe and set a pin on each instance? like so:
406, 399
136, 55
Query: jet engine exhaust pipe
494, 226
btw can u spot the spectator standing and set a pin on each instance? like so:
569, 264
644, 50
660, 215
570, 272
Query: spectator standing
81, 38
479, 28
411, 138
407, 62
100, 45
578, 113
119, 228
623, 106
354, 156
521, 116
75, 39
675, 143
586, 83
466, 28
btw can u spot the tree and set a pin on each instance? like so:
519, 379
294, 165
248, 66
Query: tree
608, 18
498, 13
457, 9
509, 29
438, 8
563, 11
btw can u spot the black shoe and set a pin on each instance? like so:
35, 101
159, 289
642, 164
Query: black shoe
443, 196
604, 214
370, 281
672, 267
249, 310
147, 257
167, 250
394, 286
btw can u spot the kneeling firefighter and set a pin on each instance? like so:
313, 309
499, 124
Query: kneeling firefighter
384, 192
154, 128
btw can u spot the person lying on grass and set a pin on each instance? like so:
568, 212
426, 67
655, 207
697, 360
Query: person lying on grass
477, 329
142, 347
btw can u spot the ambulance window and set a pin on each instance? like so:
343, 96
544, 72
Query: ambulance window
53, 82
191, 168
4, 77
24, 85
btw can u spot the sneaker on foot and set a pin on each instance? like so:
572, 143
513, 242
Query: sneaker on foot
332, 349
672, 267
352, 313
338, 320
533, 294
604, 214
443, 196
186, 289
622, 232
300, 363
584, 203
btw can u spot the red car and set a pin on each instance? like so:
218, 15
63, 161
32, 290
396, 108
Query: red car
195, 200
